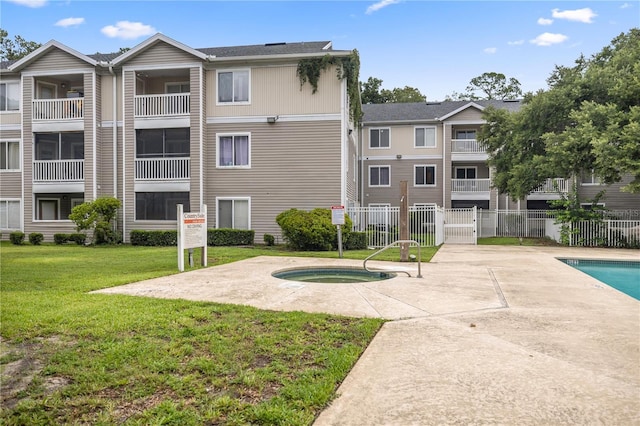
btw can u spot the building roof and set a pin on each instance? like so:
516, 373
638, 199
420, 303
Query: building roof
429, 111
269, 49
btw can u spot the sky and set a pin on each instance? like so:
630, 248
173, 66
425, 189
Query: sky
434, 46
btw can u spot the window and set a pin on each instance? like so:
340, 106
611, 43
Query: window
589, 178
465, 134
465, 172
59, 146
234, 150
425, 137
379, 138
176, 88
160, 205
162, 143
48, 209
9, 155
9, 96
425, 175
233, 213
9, 214
379, 176
233, 86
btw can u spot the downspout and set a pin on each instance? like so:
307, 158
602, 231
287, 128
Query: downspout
95, 138
444, 164
201, 148
115, 131
124, 162
343, 143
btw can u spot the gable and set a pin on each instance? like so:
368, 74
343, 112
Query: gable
468, 114
55, 60
160, 53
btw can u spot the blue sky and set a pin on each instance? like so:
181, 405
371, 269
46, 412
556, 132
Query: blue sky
435, 46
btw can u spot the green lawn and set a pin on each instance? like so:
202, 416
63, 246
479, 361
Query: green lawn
69, 357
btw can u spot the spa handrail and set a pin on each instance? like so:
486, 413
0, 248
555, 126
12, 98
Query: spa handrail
364, 265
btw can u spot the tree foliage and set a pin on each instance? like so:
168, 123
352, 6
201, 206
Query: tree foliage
97, 215
372, 93
587, 120
490, 85
16, 48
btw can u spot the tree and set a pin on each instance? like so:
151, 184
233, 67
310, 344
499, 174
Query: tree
492, 85
97, 215
16, 48
588, 120
371, 93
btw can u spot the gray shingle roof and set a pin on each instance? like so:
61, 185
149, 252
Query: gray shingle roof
421, 111
269, 49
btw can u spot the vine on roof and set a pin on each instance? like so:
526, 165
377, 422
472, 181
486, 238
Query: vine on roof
347, 67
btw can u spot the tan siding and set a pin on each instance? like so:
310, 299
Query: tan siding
276, 91
129, 155
10, 185
446, 173
105, 162
27, 152
614, 199
470, 114
293, 165
10, 118
402, 141
160, 53
106, 98
89, 126
196, 120
56, 60
402, 170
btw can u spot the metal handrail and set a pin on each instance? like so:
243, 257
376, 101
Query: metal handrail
364, 265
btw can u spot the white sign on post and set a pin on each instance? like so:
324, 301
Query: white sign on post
192, 233
337, 218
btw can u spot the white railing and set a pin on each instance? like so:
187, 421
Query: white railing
467, 146
58, 109
58, 171
553, 186
162, 168
606, 233
162, 105
470, 185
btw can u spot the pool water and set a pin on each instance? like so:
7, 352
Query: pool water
623, 275
332, 275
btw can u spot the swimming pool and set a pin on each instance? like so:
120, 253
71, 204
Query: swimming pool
623, 275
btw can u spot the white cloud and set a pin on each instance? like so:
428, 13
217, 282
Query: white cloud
625, 6
515, 43
30, 3
128, 30
585, 15
69, 22
547, 39
545, 21
490, 50
377, 6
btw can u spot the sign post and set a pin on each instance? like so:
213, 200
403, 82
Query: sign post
337, 218
192, 233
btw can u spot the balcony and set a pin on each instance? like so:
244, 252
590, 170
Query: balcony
58, 171
468, 149
58, 109
470, 189
165, 105
162, 169
550, 190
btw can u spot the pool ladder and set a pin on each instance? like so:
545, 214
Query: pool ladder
364, 265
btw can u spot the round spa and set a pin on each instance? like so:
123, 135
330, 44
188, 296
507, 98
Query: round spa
332, 274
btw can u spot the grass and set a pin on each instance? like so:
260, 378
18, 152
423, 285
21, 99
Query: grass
70, 357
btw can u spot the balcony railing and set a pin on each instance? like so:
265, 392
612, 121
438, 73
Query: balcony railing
470, 185
175, 104
58, 171
553, 186
169, 169
58, 109
467, 146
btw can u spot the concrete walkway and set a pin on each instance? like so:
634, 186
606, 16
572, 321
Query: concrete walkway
490, 335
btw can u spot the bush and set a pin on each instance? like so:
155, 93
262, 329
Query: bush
230, 237
60, 238
356, 241
154, 238
36, 238
77, 238
311, 230
16, 237
269, 239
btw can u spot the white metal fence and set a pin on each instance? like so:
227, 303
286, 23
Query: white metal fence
606, 233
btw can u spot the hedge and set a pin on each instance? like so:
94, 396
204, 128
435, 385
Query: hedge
36, 238
16, 237
215, 237
77, 238
356, 241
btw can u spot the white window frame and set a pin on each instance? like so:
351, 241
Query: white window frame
243, 166
6, 148
588, 205
378, 129
7, 83
379, 166
595, 181
233, 199
435, 176
465, 131
425, 128
42, 84
37, 210
455, 172
233, 71
176, 83
7, 201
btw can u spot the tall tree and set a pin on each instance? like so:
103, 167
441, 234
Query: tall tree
16, 48
372, 93
588, 120
490, 85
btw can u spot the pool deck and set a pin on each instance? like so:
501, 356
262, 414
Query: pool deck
489, 335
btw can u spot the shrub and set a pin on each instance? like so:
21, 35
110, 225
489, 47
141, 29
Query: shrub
269, 239
356, 241
16, 237
311, 230
60, 238
230, 237
36, 238
99, 216
77, 238
154, 238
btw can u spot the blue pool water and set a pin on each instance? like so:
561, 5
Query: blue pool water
623, 275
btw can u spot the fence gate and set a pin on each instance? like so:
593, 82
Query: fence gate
460, 226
